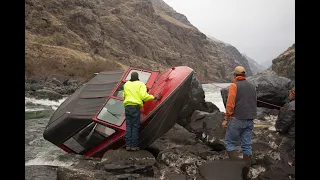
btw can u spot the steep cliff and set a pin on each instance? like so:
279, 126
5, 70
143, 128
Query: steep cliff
164, 9
284, 64
254, 66
79, 37
232, 54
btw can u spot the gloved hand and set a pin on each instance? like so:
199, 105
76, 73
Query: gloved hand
158, 97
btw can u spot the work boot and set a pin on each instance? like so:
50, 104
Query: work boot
247, 159
233, 154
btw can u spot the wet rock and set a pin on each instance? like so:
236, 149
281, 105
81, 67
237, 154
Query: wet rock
208, 107
177, 136
174, 176
258, 145
34, 80
278, 173
71, 173
186, 159
32, 87
60, 78
264, 113
130, 177
125, 162
196, 101
267, 136
56, 82
40, 172
255, 170
52, 89
208, 128
88, 163
47, 94
181, 159
223, 170
271, 88
37, 113
115, 11
27, 94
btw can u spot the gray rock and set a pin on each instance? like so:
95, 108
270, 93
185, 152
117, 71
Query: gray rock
175, 137
196, 101
223, 170
40, 172
208, 128
47, 94
35, 114
271, 89
56, 82
71, 173
125, 162
263, 113
174, 176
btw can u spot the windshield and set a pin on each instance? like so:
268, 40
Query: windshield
112, 112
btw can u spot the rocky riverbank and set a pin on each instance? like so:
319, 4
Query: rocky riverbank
54, 88
192, 149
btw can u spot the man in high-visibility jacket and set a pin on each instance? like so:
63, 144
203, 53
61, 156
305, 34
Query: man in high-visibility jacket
134, 93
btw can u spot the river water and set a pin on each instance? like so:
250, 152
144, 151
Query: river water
38, 151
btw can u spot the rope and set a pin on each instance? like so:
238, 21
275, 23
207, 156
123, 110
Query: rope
257, 99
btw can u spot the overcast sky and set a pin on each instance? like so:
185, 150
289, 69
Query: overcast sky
261, 29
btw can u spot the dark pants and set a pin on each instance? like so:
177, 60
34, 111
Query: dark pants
132, 125
286, 147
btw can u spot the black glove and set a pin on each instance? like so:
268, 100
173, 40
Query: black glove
158, 97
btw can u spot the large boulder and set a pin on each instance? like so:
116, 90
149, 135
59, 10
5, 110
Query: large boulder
271, 90
208, 128
124, 162
195, 101
177, 136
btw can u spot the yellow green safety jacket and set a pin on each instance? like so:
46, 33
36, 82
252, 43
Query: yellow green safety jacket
134, 93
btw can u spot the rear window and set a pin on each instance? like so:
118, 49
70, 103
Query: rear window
143, 76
